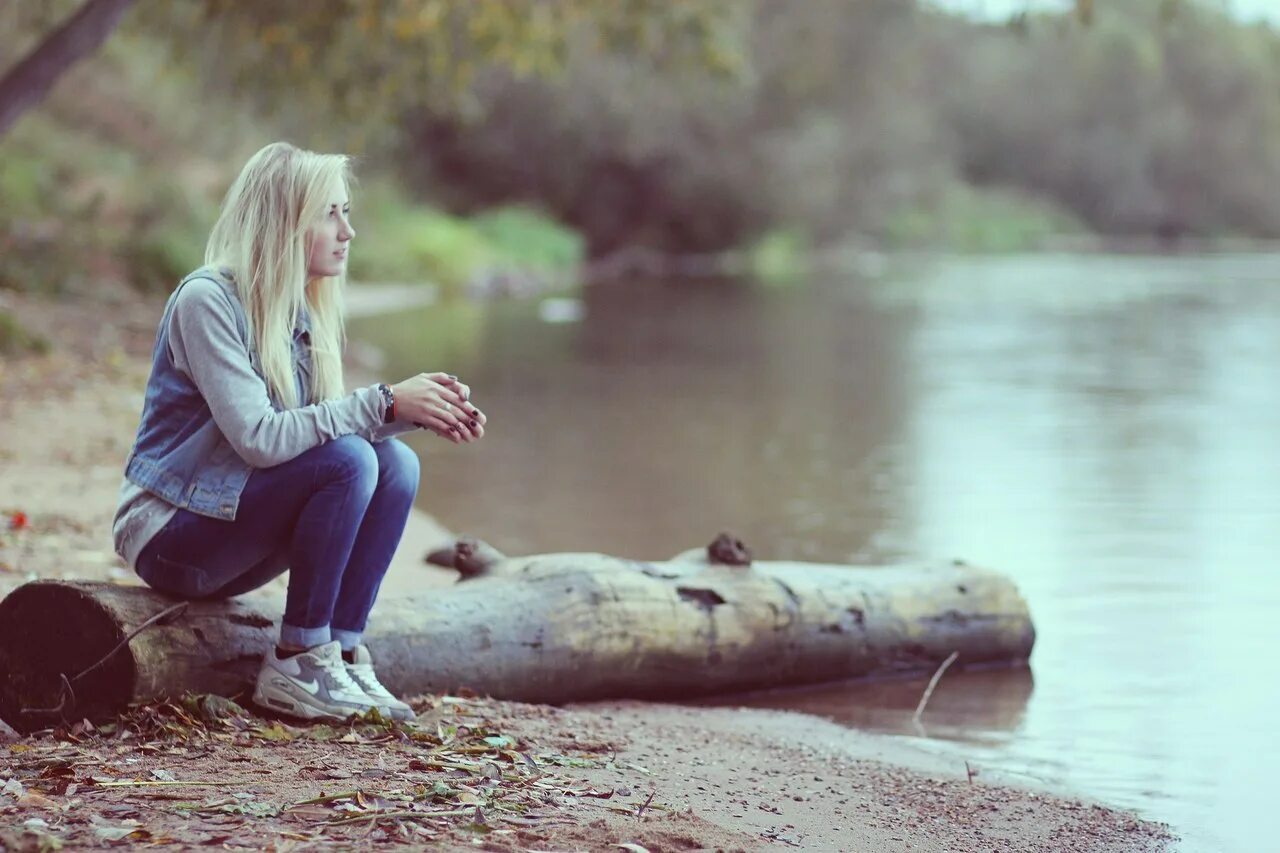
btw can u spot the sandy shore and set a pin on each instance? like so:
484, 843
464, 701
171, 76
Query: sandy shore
700, 778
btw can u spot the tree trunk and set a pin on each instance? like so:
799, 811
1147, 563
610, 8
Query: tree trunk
28, 82
549, 628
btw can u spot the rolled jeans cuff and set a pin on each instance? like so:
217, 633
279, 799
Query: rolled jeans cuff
348, 639
304, 638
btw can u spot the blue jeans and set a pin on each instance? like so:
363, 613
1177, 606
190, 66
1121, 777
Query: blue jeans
332, 517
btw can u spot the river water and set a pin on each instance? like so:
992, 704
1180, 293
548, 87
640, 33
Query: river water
1104, 429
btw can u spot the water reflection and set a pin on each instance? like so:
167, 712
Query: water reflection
662, 418
1106, 430
974, 706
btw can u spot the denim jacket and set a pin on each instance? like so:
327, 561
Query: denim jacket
208, 419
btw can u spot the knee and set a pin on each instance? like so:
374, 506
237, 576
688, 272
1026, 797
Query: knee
351, 457
399, 468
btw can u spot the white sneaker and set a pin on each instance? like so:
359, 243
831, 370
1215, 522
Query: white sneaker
312, 685
362, 673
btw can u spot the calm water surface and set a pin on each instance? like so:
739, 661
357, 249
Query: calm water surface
1106, 430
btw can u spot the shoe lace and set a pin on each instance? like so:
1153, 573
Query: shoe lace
363, 673
337, 671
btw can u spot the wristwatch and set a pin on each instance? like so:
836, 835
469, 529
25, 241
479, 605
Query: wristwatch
390, 398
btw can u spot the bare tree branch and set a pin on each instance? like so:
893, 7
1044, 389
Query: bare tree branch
28, 82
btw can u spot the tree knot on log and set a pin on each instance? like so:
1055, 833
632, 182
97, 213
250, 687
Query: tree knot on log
728, 550
707, 599
472, 557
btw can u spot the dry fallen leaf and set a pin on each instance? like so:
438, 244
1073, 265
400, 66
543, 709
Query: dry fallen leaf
38, 801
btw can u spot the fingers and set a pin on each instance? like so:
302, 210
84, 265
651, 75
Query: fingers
452, 397
458, 422
453, 415
443, 428
462, 402
449, 381
470, 428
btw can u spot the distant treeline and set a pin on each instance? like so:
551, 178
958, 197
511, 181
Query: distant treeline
1160, 118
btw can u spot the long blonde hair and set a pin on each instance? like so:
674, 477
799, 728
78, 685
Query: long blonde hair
261, 235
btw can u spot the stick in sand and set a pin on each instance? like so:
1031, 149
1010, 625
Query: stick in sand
928, 691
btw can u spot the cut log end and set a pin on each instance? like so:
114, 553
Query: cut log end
49, 630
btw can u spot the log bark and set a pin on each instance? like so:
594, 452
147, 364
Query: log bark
549, 628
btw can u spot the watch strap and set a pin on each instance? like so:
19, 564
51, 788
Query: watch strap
389, 398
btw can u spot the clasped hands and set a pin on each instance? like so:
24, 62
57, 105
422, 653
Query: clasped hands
441, 403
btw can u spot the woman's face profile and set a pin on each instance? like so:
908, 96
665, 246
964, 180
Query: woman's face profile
330, 238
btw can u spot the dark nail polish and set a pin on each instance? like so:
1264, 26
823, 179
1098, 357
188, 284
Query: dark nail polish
472, 423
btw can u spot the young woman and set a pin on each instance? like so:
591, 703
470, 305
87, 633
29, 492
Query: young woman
251, 460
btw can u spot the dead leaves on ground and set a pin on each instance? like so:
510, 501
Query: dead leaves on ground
449, 772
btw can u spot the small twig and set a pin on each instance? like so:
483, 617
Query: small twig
640, 810
328, 798
67, 691
131, 783
62, 699
933, 682
180, 607
399, 814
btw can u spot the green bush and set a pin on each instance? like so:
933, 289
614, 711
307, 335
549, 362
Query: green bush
971, 219
780, 258
528, 238
397, 240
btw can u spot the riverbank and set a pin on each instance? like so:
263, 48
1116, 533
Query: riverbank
719, 778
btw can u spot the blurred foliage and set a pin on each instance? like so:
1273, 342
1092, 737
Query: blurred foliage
15, 340
43, 228
679, 127
1160, 119
425, 52
117, 177
866, 120
663, 159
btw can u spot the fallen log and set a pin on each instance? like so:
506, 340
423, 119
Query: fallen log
547, 628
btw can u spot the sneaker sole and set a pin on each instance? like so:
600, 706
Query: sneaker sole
281, 702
